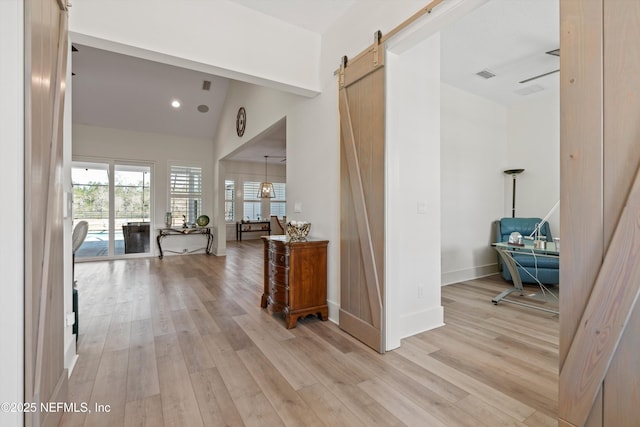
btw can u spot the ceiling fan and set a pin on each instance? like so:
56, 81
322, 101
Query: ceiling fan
555, 52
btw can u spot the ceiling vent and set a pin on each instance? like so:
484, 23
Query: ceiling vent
206, 85
485, 74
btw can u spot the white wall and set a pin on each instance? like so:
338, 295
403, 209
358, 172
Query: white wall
474, 154
12, 171
91, 142
412, 217
312, 129
481, 139
534, 144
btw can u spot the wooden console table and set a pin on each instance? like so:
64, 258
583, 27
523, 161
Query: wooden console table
251, 226
295, 278
205, 231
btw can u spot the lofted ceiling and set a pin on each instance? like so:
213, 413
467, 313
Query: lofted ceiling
509, 38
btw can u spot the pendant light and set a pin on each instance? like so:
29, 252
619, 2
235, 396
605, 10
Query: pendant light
266, 190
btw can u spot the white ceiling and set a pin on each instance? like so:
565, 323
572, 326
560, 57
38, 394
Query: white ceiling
507, 37
120, 91
313, 15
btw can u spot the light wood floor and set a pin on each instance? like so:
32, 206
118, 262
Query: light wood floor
182, 342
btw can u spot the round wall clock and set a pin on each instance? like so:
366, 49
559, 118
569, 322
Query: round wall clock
241, 121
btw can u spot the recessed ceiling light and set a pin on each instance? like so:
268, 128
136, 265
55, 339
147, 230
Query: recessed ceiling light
203, 108
175, 103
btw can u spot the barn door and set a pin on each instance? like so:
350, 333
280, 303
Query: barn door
45, 379
361, 106
600, 219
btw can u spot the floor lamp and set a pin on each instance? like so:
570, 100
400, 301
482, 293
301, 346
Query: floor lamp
513, 173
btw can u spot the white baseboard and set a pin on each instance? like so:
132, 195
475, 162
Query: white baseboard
417, 322
468, 274
334, 311
70, 356
219, 251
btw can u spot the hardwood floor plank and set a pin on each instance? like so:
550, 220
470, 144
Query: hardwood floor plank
510, 405
196, 355
161, 314
328, 407
405, 374
253, 406
179, 404
144, 413
399, 405
216, 405
119, 328
291, 408
182, 321
142, 374
203, 321
294, 371
141, 332
109, 390
183, 341
90, 347
538, 419
489, 415
78, 394
340, 381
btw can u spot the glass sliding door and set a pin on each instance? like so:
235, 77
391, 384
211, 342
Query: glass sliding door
91, 203
115, 199
132, 209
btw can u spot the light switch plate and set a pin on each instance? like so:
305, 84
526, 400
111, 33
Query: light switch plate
297, 207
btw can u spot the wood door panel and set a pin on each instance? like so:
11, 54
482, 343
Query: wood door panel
580, 160
622, 400
621, 105
361, 105
46, 38
351, 140
600, 193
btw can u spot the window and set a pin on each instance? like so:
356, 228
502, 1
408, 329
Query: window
252, 207
185, 194
278, 205
229, 200
115, 200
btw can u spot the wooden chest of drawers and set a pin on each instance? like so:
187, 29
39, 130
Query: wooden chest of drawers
295, 278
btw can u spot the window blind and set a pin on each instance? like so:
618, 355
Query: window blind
185, 198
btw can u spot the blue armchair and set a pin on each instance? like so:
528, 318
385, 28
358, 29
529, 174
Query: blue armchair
546, 270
